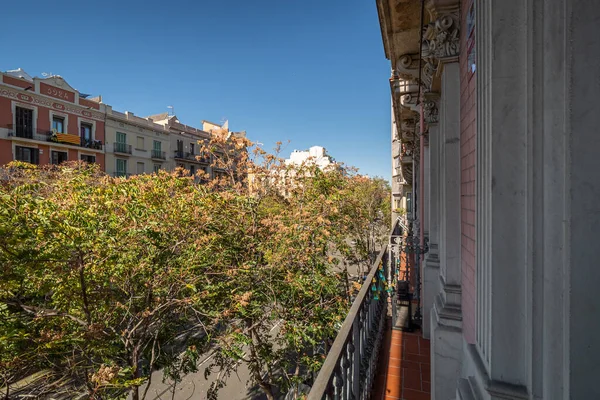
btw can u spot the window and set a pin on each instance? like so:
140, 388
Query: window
121, 167
58, 124
156, 168
157, 149
192, 170
24, 122
121, 144
88, 158
27, 154
86, 133
140, 143
58, 157
409, 202
140, 168
192, 148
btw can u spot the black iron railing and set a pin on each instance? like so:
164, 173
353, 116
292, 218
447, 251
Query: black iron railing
122, 148
192, 157
349, 369
44, 135
159, 154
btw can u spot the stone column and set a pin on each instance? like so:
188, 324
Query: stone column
431, 267
446, 319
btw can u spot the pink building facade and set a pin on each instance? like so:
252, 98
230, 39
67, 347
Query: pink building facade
46, 121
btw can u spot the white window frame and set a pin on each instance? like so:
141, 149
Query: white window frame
65, 118
91, 122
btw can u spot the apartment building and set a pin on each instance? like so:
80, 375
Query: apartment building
47, 121
185, 144
135, 145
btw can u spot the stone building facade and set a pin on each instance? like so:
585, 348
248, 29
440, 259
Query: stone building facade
46, 121
498, 100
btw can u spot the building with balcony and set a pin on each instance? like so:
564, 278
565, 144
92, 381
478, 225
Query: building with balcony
47, 121
495, 105
135, 145
185, 143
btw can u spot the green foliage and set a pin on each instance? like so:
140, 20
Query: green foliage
101, 277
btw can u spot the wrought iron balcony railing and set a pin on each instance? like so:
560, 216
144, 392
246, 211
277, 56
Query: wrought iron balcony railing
349, 369
29, 133
122, 148
44, 135
192, 157
159, 154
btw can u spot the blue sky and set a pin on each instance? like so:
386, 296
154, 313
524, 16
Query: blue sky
312, 72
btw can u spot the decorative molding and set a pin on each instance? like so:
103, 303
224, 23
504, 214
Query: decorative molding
441, 39
38, 100
430, 108
408, 64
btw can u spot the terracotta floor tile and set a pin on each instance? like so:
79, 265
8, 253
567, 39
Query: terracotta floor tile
424, 343
411, 379
395, 352
410, 365
412, 344
416, 358
395, 362
393, 387
426, 386
425, 372
410, 394
396, 371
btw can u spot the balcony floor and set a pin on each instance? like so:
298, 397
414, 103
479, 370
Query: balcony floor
404, 370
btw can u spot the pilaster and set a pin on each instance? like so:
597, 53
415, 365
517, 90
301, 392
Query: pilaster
431, 266
440, 48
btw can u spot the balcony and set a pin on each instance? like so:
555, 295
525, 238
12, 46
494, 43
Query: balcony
44, 135
27, 133
159, 155
187, 156
122, 148
375, 354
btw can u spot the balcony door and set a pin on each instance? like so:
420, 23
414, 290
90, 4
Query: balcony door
24, 122
86, 135
157, 149
121, 145
121, 167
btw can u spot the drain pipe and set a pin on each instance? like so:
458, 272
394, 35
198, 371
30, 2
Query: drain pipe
420, 248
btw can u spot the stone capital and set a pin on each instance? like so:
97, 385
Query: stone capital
431, 108
441, 38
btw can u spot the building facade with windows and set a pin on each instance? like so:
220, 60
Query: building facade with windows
185, 145
135, 145
46, 121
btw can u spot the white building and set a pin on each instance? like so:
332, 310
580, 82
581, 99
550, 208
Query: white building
315, 155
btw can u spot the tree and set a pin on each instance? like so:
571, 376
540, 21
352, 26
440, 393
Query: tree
104, 279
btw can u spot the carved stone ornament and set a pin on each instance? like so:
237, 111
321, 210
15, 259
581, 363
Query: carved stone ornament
408, 64
441, 39
430, 111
